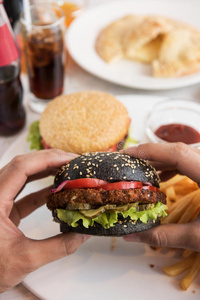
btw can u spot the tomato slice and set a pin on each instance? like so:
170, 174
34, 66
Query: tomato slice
122, 185
112, 148
84, 183
151, 188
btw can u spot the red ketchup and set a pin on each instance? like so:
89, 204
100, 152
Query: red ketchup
178, 133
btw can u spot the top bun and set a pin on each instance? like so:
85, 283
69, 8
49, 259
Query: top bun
84, 122
108, 166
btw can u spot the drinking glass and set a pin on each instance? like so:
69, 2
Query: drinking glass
43, 35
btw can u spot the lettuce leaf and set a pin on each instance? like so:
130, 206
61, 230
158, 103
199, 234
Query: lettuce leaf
130, 140
108, 219
34, 136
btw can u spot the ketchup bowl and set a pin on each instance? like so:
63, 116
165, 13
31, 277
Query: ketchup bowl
174, 120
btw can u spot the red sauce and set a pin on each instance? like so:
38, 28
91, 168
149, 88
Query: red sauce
178, 133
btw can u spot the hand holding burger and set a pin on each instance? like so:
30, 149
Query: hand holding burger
21, 255
171, 158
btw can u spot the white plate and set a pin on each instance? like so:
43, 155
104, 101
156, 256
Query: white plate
94, 272
84, 30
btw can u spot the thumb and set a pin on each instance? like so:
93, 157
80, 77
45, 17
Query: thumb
170, 235
42, 252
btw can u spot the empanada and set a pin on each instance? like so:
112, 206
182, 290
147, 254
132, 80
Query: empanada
171, 47
179, 54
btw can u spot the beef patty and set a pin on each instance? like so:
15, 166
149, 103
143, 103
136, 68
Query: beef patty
101, 197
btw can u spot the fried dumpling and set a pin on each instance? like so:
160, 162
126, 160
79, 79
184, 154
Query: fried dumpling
109, 41
179, 53
142, 43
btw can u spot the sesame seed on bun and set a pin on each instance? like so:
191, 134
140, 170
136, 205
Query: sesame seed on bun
84, 122
108, 166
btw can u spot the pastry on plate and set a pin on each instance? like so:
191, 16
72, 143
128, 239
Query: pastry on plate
171, 47
179, 54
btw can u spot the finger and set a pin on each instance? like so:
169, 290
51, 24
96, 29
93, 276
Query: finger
178, 155
31, 202
46, 251
43, 174
170, 235
21, 167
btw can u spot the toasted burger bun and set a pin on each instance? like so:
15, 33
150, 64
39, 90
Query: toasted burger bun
84, 122
108, 166
111, 167
123, 228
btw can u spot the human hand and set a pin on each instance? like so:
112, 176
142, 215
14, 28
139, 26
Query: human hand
170, 158
20, 255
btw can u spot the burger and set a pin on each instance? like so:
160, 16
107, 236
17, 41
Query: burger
81, 122
104, 193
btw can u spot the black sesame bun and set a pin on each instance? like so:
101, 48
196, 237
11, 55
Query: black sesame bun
108, 166
112, 168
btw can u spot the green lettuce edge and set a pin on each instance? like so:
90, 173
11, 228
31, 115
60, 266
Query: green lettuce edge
34, 136
108, 219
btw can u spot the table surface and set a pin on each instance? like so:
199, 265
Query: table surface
77, 79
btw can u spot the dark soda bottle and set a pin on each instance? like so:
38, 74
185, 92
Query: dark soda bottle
12, 113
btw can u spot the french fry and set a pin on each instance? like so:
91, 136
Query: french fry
185, 187
191, 210
171, 182
187, 252
179, 267
190, 276
170, 193
179, 208
183, 201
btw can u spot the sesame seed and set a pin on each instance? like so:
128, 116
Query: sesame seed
81, 173
125, 226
